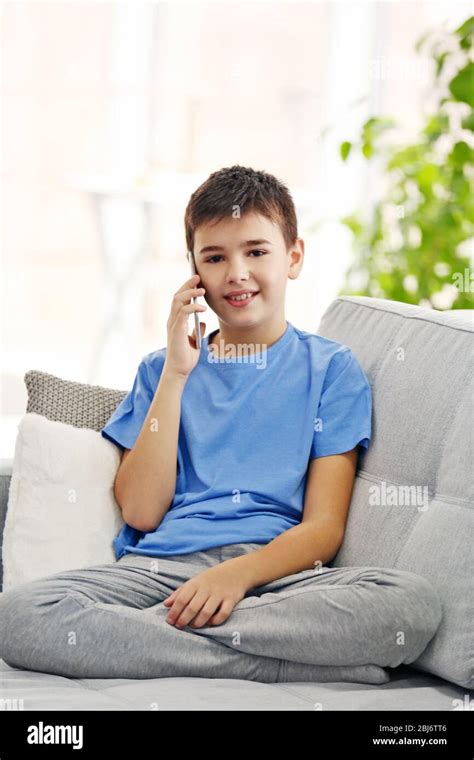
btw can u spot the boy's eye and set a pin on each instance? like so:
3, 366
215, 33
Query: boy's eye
217, 256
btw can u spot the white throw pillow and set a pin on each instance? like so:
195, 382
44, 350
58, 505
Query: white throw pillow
61, 512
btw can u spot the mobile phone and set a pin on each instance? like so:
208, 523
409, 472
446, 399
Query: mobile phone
197, 326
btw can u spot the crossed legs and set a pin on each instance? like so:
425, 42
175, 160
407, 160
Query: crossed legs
108, 621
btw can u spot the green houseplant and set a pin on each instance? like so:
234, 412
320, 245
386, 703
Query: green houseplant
414, 244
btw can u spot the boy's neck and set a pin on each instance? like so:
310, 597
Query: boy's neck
255, 339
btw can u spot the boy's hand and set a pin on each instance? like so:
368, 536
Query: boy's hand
208, 598
182, 353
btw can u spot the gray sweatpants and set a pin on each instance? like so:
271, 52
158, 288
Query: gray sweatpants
326, 624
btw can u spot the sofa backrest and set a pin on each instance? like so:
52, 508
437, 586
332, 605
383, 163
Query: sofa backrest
412, 505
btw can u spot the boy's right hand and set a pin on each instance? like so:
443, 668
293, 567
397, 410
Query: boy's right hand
182, 355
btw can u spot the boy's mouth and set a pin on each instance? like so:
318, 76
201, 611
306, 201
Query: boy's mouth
242, 300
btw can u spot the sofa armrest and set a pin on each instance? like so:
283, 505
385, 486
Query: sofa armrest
6, 469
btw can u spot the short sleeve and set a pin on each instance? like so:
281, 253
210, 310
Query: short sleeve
126, 422
344, 415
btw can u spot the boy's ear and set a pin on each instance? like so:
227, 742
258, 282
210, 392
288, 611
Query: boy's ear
297, 257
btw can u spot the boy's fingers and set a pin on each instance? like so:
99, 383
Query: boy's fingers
189, 283
193, 282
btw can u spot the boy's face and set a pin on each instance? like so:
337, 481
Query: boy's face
236, 265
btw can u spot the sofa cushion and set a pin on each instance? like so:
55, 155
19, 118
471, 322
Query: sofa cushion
412, 504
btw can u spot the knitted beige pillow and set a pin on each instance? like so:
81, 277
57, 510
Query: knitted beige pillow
77, 404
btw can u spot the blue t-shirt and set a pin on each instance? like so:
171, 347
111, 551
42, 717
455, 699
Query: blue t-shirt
249, 426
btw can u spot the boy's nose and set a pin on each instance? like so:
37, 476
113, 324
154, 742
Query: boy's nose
237, 276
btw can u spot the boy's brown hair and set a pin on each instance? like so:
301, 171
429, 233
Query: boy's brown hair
246, 188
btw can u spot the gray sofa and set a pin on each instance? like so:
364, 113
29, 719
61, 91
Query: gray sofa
419, 364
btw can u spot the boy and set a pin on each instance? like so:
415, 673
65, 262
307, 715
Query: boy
235, 483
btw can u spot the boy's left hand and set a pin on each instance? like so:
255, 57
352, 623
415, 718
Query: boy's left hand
207, 598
